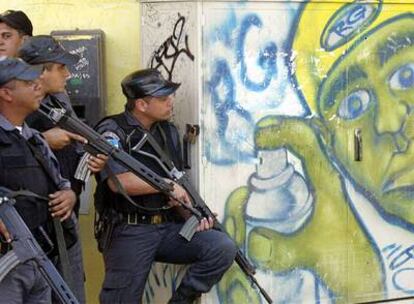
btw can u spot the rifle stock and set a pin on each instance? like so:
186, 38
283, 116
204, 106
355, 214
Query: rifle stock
25, 248
98, 144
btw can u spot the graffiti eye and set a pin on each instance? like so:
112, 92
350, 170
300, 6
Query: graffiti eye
403, 78
354, 105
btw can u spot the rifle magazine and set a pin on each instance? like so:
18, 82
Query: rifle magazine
189, 228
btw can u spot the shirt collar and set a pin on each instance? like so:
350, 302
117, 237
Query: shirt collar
132, 121
7, 126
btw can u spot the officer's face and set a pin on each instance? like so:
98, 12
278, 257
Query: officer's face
10, 40
372, 88
54, 78
159, 108
25, 96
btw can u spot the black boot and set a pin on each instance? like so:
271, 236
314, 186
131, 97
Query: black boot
184, 295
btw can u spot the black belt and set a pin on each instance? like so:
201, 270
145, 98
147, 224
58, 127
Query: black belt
139, 218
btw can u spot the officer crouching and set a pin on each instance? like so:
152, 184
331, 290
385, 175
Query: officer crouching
146, 223
26, 162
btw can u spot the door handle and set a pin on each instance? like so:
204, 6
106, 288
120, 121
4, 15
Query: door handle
358, 145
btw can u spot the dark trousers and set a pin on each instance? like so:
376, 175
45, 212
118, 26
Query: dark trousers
25, 284
134, 248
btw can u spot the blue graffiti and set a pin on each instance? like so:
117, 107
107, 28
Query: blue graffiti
356, 14
225, 36
222, 77
267, 56
222, 90
345, 24
400, 261
402, 257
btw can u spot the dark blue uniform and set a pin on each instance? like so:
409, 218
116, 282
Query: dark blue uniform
19, 169
138, 240
68, 159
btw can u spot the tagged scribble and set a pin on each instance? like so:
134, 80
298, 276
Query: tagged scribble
167, 54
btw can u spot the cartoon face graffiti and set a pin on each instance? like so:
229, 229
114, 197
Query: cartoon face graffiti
371, 87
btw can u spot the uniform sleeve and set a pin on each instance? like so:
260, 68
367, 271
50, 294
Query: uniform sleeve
53, 164
114, 135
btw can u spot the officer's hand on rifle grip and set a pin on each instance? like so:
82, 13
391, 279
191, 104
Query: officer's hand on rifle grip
180, 194
205, 224
58, 138
5, 233
97, 163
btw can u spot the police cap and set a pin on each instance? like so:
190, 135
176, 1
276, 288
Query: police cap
43, 49
14, 68
148, 82
17, 20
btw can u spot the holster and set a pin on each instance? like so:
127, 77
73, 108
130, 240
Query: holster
104, 224
46, 237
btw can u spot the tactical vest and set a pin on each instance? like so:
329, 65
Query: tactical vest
19, 169
130, 137
68, 157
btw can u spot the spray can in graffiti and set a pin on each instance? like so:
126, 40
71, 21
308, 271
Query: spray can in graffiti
279, 196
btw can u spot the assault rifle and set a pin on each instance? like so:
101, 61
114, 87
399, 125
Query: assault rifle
97, 144
25, 248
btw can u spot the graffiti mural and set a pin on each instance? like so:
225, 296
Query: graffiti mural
306, 146
320, 225
246, 77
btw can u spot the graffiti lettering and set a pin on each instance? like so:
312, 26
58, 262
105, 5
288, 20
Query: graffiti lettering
402, 257
400, 261
348, 24
80, 75
167, 54
223, 99
350, 20
266, 60
357, 14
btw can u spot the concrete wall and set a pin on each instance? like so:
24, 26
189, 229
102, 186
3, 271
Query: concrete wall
118, 19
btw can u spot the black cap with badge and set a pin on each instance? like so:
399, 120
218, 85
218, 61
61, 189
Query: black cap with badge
14, 68
43, 49
148, 82
17, 20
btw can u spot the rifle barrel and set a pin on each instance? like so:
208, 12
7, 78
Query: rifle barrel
98, 143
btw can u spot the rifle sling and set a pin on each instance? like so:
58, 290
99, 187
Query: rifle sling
164, 158
122, 191
57, 225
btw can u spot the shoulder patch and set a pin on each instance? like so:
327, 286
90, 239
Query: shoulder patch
112, 138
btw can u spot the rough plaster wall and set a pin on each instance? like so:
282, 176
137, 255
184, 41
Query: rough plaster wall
118, 19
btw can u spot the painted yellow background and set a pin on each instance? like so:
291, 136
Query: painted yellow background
118, 19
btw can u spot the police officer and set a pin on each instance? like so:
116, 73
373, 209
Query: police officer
26, 162
46, 51
15, 28
148, 230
